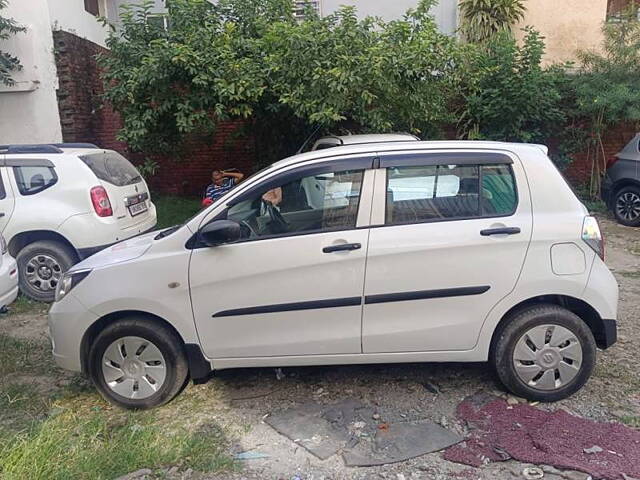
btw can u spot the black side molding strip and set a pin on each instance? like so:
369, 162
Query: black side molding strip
290, 307
353, 301
425, 294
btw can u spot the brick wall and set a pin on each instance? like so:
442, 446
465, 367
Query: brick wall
85, 118
614, 140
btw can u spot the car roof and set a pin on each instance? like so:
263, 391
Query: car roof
380, 147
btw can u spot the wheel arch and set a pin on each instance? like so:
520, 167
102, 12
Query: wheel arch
582, 309
199, 366
623, 183
22, 239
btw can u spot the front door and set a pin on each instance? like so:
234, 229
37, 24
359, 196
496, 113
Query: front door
293, 285
456, 231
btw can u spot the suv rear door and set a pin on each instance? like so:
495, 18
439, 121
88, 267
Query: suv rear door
456, 232
128, 192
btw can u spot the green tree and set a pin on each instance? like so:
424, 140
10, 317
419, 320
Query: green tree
507, 95
607, 88
480, 20
8, 62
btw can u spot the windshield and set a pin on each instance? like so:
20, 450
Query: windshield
113, 168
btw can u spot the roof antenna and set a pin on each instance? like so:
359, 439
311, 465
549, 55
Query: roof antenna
308, 139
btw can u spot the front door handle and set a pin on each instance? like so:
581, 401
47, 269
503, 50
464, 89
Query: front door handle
500, 231
343, 247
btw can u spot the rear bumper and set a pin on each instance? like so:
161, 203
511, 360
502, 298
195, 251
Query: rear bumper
606, 191
608, 334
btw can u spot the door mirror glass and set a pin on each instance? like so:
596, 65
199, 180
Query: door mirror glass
220, 232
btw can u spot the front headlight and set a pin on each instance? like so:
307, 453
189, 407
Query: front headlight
68, 281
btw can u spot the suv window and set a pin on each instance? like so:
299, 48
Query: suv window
34, 179
446, 192
312, 203
3, 192
112, 167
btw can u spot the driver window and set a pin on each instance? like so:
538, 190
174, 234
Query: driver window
313, 203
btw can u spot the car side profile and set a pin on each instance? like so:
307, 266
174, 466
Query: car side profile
621, 184
61, 203
381, 253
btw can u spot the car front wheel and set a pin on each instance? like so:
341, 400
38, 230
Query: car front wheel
138, 363
545, 353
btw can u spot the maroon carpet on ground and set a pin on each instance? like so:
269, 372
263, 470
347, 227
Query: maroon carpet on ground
531, 435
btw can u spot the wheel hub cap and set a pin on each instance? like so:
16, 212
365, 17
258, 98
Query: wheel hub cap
547, 357
628, 206
133, 368
43, 272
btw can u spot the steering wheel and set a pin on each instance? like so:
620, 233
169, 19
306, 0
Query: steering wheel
246, 231
278, 223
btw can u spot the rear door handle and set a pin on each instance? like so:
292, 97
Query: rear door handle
343, 247
1, 214
500, 231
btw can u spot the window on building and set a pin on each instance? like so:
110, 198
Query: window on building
92, 6
616, 9
160, 20
300, 6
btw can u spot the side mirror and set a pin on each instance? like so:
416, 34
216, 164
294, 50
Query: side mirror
220, 232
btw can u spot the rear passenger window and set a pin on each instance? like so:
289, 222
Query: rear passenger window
418, 194
32, 180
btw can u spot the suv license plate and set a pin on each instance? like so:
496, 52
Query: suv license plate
138, 208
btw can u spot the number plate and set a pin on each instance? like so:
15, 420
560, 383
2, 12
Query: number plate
138, 208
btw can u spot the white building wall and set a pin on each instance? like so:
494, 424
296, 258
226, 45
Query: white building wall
29, 110
445, 12
70, 16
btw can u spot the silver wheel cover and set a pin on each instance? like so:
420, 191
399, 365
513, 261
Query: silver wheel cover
134, 368
547, 357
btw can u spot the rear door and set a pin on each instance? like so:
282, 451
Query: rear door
127, 190
454, 238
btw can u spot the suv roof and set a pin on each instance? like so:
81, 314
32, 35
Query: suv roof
43, 148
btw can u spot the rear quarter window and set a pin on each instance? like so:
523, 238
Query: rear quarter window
34, 179
112, 167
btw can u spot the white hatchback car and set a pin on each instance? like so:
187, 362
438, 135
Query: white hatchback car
399, 252
62, 203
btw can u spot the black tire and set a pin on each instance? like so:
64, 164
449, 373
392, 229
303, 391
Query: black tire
64, 258
624, 198
166, 341
504, 345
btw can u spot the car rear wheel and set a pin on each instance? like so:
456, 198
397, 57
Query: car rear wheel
545, 353
626, 206
41, 265
138, 363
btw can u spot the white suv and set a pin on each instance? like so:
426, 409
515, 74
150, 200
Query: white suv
61, 203
391, 252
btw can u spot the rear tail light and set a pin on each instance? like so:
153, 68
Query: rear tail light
611, 161
592, 235
101, 203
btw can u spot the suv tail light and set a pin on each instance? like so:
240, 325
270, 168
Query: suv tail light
592, 235
611, 161
101, 203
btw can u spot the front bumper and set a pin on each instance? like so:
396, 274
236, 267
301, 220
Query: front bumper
68, 322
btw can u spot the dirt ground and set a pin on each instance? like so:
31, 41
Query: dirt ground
240, 399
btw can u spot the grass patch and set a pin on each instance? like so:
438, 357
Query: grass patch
173, 210
20, 356
88, 441
24, 305
631, 421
